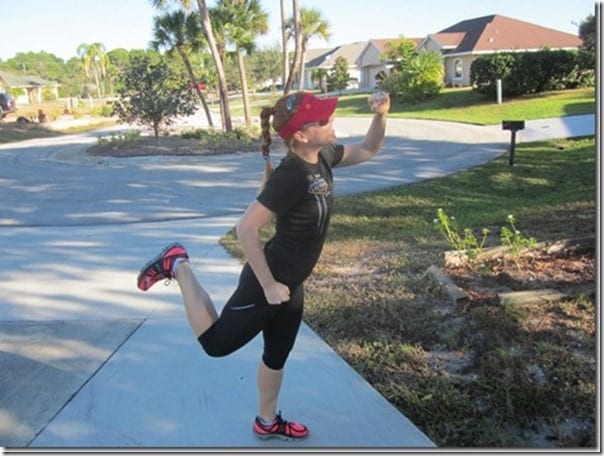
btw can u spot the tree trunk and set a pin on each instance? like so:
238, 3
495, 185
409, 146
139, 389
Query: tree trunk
97, 82
298, 51
244, 89
222, 84
187, 63
285, 44
302, 67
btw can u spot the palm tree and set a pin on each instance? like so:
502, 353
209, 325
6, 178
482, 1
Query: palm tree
95, 62
222, 84
181, 32
319, 76
312, 25
209, 34
239, 22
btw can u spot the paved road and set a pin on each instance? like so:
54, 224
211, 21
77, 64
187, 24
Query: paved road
89, 361
52, 182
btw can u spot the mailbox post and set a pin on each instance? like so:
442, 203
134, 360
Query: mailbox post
513, 126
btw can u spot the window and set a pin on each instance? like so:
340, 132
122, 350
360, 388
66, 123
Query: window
458, 68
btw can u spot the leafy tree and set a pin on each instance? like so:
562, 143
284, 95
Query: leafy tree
265, 64
42, 64
180, 32
587, 32
338, 77
399, 52
117, 62
73, 79
151, 95
95, 62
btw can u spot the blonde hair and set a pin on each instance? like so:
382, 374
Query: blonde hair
283, 110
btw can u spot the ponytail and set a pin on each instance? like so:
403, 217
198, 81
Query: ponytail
265, 146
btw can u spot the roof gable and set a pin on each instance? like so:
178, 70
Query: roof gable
350, 52
499, 33
23, 81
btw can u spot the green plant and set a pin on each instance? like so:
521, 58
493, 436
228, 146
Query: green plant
514, 239
466, 241
152, 94
220, 140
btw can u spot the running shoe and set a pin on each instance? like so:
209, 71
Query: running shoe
280, 429
160, 267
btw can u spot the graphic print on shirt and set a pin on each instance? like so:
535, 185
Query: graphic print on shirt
319, 187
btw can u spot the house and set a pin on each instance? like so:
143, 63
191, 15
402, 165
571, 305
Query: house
326, 58
459, 45
463, 42
27, 88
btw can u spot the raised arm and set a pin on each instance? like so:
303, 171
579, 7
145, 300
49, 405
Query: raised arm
374, 138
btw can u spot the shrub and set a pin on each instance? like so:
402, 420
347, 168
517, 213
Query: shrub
530, 72
212, 139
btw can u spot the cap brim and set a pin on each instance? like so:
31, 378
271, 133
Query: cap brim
311, 109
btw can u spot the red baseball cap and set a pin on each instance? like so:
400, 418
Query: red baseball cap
311, 109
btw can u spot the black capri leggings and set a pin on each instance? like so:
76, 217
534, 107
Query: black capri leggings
246, 313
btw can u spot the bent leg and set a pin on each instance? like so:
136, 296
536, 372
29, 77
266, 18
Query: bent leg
245, 314
199, 307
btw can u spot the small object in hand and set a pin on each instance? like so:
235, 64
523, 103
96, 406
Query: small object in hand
377, 99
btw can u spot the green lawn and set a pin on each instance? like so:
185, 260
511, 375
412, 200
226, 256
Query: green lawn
462, 105
465, 105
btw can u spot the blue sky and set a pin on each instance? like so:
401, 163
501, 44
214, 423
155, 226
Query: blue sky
59, 26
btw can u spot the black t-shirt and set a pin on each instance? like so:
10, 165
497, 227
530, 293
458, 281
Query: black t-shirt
301, 194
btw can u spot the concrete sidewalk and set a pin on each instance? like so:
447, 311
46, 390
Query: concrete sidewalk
87, 360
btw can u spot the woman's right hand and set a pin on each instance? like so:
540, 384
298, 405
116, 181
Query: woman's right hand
276, 293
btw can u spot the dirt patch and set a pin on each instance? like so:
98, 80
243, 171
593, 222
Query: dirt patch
568, 269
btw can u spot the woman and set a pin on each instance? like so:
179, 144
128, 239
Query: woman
270, 296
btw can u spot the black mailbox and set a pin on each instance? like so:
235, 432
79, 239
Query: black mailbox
513, 126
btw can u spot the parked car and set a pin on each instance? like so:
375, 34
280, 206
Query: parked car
7, 105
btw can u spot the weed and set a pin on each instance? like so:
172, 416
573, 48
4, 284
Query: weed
466, 242
514, 239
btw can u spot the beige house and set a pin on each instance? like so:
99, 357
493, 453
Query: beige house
460, 45
32, 87
463, 42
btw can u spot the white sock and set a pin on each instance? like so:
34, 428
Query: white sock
177, 261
